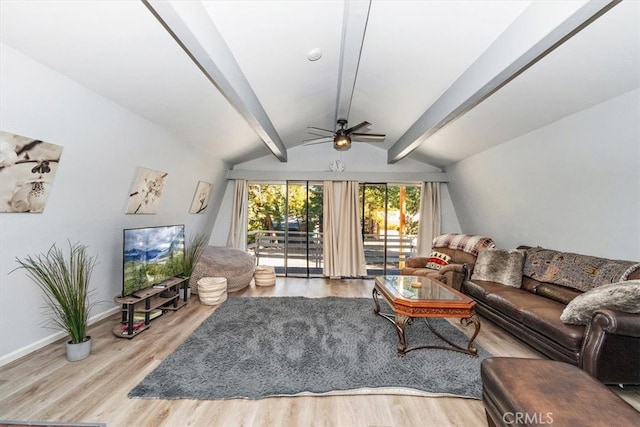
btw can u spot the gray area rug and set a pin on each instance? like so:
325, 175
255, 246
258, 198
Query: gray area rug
281, 346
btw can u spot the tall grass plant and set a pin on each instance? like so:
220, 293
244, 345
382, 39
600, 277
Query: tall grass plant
64, 280
192, 253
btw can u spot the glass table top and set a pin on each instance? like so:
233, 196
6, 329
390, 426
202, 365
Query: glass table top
430, 290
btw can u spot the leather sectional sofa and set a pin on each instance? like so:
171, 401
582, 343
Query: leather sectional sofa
607, 347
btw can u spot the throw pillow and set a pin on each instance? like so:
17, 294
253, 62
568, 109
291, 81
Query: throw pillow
437, 260
502, 266
621, 296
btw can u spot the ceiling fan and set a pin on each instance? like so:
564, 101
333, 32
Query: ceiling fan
342, 137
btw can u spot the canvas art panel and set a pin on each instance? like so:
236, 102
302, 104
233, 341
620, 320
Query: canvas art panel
27, 169
146, 192
201, 197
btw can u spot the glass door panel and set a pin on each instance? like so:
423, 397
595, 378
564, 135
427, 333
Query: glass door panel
303, 229
390, 223
285, 227
266, 213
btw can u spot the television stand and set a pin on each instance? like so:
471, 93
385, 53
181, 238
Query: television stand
147, 301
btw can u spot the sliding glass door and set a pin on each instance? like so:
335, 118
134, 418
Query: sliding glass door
303, 232
285, 226
389, 225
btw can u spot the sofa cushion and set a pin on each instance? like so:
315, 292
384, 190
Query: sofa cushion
479, 289
572, 270
557, 293
512, 301
622, 296
500, 265
544, 318
529, 284
437, 260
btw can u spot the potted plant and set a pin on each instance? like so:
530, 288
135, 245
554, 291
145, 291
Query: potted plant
64, 280
192, 253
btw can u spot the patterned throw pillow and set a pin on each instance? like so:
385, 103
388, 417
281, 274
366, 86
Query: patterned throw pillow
437, 260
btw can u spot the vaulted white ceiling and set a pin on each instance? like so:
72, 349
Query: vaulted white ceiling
403, 65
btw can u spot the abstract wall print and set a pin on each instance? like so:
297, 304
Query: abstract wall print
145, 194
201, 197
27, 169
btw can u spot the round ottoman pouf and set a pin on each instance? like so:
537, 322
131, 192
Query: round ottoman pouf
265, 276
233, 264
212, 290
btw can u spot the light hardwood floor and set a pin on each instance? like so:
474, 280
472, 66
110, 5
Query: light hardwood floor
43, 386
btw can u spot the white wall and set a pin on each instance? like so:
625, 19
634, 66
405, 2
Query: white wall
103, 146
573, 185
361, 158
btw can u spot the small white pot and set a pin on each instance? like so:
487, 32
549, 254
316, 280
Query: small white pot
78, 351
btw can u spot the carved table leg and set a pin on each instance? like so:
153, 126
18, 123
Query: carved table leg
376, 309
400, 323
476, 323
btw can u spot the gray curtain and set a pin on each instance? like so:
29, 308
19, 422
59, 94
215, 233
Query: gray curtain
238, 230
429, 217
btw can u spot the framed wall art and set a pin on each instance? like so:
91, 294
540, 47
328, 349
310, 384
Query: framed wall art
27, 169
146, 192
200, 198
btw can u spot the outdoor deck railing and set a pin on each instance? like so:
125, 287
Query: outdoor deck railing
300, 245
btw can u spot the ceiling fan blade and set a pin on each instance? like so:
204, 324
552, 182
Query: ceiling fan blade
320, 135
369, 136
358, 126
318, 140
316, 143
324, 130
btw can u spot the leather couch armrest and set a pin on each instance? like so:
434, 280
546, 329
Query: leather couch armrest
617, 322
452, 267
453, 275
457, 268
611, 347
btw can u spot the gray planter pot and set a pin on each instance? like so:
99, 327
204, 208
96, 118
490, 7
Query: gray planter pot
78, 351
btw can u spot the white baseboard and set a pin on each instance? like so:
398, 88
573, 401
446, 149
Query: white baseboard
8, 358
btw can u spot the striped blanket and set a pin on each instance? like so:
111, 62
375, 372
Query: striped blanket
464, 242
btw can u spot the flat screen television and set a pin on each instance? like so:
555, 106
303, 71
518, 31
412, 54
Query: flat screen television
151, 256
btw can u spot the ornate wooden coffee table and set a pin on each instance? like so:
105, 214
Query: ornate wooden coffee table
431, 299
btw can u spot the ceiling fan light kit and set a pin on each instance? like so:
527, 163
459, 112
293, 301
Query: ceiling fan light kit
342, 137
341, 142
